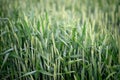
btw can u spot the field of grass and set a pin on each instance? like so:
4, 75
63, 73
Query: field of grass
59, 39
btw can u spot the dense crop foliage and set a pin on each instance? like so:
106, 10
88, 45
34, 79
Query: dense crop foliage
60, 39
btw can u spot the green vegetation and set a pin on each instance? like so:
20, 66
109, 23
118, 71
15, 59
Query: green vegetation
59, 39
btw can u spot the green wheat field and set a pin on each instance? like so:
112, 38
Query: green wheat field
59, 39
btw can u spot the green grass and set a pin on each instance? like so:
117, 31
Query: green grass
59, 39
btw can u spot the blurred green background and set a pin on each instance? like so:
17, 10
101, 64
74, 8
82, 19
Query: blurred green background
60, 39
